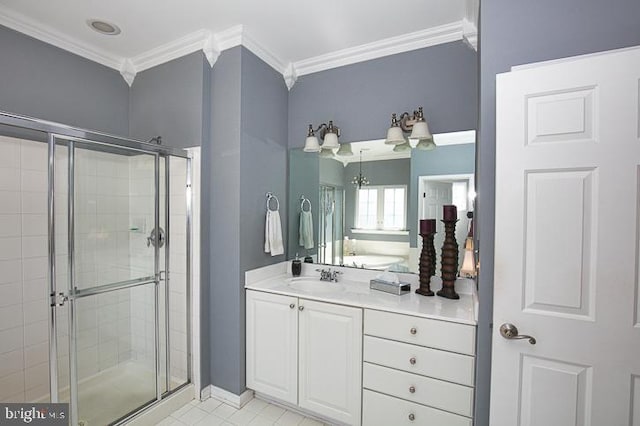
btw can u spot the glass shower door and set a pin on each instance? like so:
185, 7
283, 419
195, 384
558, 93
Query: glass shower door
112, 281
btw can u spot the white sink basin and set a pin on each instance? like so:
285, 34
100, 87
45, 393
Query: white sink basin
313, 285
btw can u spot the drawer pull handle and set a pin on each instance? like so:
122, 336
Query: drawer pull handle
412, 389
412, 417
301, 308
413, 330
292, 306
412, 360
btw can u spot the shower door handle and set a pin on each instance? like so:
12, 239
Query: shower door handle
58, 299
151, 239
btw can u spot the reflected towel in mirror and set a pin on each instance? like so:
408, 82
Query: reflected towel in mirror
306, 229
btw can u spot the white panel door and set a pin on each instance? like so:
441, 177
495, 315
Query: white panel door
272, 345
566, 243
330, 360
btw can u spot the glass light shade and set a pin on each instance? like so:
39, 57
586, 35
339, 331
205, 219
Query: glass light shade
330, 141
311, 144
468, 264
345, 150
403, 147
326, 153
395, 136
420, 130
426, 144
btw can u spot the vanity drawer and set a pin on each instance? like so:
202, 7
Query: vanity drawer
435, 363
419, 389
383, 410
421, 331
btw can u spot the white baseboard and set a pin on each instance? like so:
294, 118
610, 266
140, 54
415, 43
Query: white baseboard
236, 401
205, 393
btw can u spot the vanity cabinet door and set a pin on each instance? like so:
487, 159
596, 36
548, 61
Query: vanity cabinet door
330, 360
272, 345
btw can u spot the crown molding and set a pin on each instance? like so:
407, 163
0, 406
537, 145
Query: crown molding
167, 52
230, 37
42, 32
470, 23
290, 76
470, 34
263, 53
212, 44
385, 47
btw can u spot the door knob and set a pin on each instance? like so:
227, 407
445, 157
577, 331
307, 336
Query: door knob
510, 332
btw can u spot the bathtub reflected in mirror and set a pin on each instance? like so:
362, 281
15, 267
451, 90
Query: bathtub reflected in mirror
366, 207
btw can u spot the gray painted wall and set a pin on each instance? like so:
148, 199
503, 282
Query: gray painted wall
361, 97
223, 184
167, 100
444, 160
43, 81
248, 157
331, 171
513, 33
385, 172
263, 163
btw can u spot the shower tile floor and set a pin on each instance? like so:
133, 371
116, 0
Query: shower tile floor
256, 413
113, 393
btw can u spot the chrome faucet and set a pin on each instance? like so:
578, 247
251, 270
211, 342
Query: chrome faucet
328, 275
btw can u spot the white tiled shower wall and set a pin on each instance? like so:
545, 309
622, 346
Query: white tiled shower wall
23, 265
112, 200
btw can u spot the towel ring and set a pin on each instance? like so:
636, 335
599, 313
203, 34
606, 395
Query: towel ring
303, 199
270, 197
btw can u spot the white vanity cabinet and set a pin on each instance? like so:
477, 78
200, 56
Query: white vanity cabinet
272, 345
306, 353
417, 371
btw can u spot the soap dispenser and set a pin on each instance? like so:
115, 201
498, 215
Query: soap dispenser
296, 266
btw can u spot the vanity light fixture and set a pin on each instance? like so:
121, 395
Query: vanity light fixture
326, 153
345, 150
329, 135
414, 123
403, 147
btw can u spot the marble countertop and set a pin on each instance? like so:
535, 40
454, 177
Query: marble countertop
353, 290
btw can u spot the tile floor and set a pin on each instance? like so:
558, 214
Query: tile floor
256, 413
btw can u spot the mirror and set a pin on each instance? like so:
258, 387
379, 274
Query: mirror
363, 210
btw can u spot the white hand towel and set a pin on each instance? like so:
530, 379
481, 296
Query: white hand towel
306, 229
273, 234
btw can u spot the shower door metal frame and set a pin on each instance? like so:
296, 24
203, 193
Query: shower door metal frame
71, 136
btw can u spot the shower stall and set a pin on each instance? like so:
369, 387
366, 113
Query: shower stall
95, 271
330, 225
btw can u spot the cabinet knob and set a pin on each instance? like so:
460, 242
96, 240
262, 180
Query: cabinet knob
292, 305
412, 417
301, 308
412, 389
413, 330
412, 360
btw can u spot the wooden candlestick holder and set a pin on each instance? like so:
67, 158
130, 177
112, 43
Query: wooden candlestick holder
427, 265
449, 264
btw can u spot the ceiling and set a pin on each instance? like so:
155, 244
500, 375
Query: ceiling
295, 37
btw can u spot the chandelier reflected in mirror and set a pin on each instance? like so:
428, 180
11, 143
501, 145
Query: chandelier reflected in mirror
360, 180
